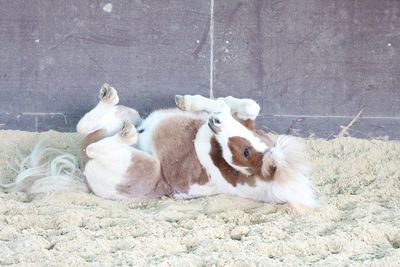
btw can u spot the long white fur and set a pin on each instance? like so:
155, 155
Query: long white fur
48, 169
291, 173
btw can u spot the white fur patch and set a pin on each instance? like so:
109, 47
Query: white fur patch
103, 116
207, 189
203, 147
197, 103
243, 107
108, 165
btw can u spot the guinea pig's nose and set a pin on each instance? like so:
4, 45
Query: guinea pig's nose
215, 121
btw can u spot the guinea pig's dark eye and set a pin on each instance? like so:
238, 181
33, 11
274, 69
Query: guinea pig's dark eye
246, 152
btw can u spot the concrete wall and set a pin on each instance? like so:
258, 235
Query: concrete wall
312, 65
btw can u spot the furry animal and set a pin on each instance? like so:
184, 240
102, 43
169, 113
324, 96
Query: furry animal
201, 148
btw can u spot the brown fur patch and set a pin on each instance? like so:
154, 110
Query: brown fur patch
264, 137
272, 170
173, 140
253, 162
230, 174
87, 140
249, 123
143, 178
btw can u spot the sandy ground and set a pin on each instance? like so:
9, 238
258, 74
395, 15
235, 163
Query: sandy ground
357, 223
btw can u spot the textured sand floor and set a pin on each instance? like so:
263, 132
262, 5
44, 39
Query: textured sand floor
357, 223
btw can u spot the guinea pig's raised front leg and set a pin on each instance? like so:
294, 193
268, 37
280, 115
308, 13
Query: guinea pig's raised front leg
200, 103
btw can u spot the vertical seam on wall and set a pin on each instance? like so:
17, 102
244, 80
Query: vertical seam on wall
211, 49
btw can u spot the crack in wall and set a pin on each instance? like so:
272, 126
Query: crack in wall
211, 49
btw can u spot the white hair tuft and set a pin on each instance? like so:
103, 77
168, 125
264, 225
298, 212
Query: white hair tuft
47, 169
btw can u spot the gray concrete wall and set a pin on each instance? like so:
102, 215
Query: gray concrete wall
312, 65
